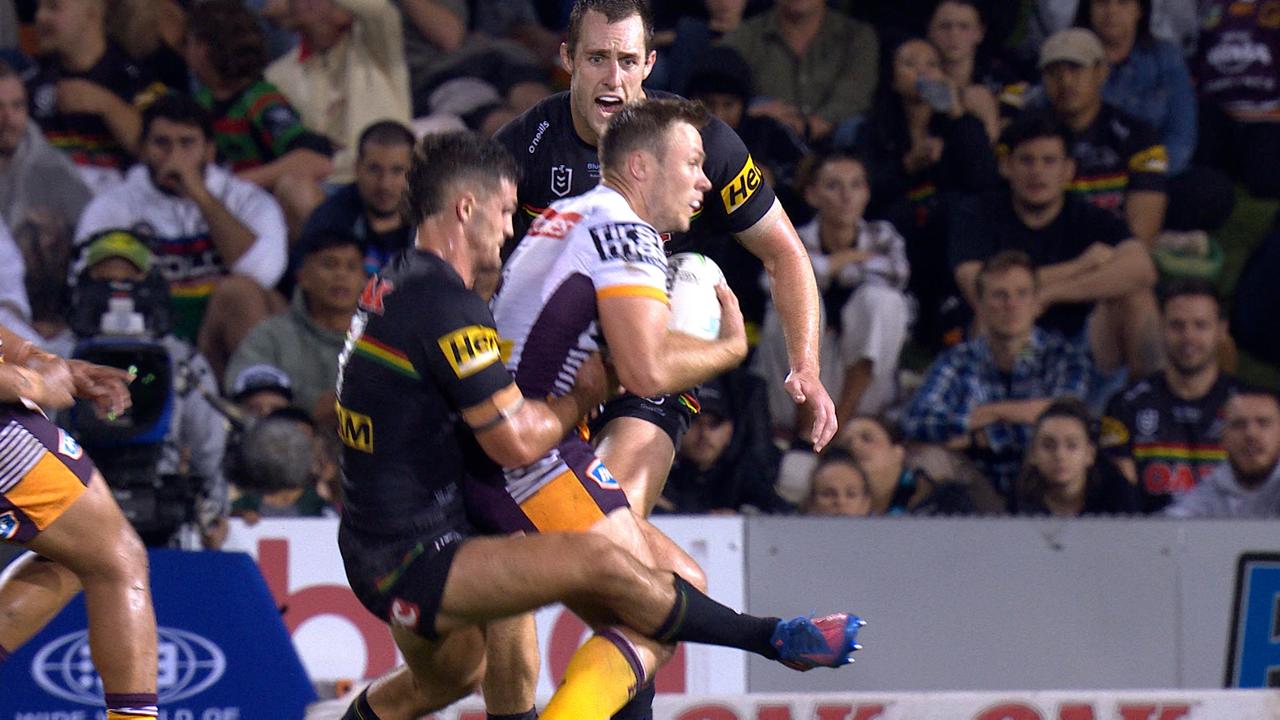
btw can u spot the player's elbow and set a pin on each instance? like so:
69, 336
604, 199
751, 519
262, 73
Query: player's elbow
643, 379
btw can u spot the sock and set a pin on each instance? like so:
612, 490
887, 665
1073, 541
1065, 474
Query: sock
131, 706
360, 708
697, 618
602, 676
530, 714
640, 707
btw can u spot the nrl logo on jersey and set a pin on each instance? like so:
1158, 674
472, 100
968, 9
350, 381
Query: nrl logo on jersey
561, 179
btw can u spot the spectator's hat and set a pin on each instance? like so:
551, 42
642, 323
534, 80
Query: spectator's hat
720, 70
714, 400
1077, 46
118, 243
256, 378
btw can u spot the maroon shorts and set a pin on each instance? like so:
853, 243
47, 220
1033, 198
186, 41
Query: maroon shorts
43, 470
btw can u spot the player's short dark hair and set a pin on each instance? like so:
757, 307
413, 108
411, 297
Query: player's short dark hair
1034, 126
977, 8
326, 238
1002, 262
237, 45
812, 164
386, 133
613, 11
177, 108
1254, 391
644, 125
1189, 287
442, 161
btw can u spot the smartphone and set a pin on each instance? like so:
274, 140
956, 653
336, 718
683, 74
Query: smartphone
937, 93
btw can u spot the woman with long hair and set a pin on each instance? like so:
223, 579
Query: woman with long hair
1062, 472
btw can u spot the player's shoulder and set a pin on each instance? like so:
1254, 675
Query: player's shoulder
525, 133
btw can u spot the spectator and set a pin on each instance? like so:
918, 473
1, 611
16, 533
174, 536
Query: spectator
258, 133
1148, 80
369, 208
1165, 431
1239, 89
86, 94
305, 341
722, 81
1248, 484
681, 48
150, 32
982, 396
897, 487
956, 30
1063, 474
351, 74
220, 241
259, 390
814, 68
717, 467
41, 197
861, 270
1120, 164
923, 149
118, 263
281, 461
839, 487
1094, 282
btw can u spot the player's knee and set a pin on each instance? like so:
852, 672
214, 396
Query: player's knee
693, 575
125, 558
617, 572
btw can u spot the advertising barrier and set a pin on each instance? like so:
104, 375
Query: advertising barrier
223, 652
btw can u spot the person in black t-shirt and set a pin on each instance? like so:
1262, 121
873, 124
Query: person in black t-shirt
1165, 431
1095, 280
1063, 473
426, 404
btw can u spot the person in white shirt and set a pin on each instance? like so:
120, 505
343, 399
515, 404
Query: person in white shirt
220, 242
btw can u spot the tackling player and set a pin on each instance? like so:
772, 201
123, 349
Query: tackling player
54, 502
425, 404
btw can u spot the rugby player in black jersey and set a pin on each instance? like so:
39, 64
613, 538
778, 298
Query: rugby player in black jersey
426, 404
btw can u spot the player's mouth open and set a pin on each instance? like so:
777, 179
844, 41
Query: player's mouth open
609, 104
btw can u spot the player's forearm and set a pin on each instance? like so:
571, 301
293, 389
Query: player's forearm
678, 363
124, 121
231, 237
1130, 269
538, 427
794, 291
1021, 412
1144, 210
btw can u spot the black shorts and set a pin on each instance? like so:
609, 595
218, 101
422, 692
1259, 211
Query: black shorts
672, 413
400, 580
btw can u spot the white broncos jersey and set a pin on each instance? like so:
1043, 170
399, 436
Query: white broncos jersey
579, 250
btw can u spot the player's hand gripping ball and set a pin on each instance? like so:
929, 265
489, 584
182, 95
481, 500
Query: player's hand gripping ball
691, 283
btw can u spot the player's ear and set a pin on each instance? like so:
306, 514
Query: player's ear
638, 164
648, 63
566, 60
464, 205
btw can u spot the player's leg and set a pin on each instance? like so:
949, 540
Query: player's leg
92, 539
511, 675
436, 674
33, 590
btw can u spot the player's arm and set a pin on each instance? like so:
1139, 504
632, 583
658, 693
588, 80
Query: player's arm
652, 360
107, 387
1130, 268
1144, 210
773, 239
516, 431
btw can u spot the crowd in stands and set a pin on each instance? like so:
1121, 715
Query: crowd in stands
1014, 210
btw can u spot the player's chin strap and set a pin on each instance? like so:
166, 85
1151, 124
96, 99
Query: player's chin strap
505, 413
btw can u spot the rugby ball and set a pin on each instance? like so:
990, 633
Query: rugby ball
691, 284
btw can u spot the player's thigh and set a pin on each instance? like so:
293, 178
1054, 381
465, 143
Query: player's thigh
667, 555
639, 453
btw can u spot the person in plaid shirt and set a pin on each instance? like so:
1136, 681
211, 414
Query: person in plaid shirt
981, 397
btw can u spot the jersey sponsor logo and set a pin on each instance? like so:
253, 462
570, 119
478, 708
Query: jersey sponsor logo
355, 429
1173, 478
630, 243
598, 472
742, 187
375, 293
8, 525
405, 614
1152, 160
471, 349
537, 137
1148, 422
561, 179
554, 225
68, 446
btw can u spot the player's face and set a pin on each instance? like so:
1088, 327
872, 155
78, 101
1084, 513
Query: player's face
706, 440
1007, 303
839, 489
171, 148
332, 278
1192, 333
914, 60
1062, 454
606, 70
1072, 88
872, 447
382, 174
1251, 435
678, 187
956, 30
13, 114
840, 192
1038, 172
491, 226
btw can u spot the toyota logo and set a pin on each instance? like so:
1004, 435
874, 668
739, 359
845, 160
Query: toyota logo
188, 665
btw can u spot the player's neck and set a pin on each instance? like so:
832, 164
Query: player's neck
631, 193
1191, 386
445, 239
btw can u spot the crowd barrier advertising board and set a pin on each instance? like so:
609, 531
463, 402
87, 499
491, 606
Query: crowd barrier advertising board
223, 652
338, 639
1081, 705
